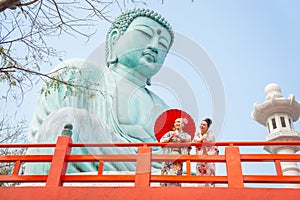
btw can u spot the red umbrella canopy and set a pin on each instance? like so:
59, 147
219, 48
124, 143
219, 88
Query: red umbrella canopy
165, 122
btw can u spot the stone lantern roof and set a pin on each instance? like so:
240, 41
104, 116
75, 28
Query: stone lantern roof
275, 103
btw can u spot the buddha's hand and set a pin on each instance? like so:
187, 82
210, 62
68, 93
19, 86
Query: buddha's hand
137, 133
86, 127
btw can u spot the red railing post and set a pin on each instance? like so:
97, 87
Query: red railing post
59, 165
278, 168
188, 167
17, 168
143, 167
100, 167
234, 167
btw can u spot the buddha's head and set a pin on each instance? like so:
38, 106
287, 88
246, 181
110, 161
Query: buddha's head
139, 39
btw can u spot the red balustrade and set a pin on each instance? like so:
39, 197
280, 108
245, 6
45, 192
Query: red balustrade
232, 184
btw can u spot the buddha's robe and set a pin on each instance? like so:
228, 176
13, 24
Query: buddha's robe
114, 109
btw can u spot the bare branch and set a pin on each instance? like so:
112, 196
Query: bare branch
26, 28
11, 4
27, 3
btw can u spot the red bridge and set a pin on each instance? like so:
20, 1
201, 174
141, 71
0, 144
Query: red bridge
142, 184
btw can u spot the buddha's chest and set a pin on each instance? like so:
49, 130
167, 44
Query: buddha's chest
136, 105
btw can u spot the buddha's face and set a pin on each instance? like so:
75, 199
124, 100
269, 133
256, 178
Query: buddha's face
143, 47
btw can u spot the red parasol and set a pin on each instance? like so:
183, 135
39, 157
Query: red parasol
164, 123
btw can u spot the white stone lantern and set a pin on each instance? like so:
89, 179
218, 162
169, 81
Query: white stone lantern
278, 114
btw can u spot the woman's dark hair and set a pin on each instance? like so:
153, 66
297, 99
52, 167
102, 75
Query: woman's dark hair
208, 121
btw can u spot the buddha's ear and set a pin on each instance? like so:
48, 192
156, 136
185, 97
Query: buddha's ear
112, 38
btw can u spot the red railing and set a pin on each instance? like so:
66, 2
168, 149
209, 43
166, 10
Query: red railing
232, 158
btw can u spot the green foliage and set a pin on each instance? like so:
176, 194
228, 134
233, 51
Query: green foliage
68, 82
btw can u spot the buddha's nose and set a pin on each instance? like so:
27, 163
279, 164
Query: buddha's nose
153, 45
154, 49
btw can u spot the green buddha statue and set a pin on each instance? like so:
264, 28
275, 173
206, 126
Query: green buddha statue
114, 105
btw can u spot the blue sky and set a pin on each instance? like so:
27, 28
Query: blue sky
250, 43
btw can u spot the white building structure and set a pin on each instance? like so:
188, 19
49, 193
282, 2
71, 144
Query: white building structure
278, 114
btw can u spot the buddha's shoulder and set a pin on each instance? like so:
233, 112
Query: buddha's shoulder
77, 68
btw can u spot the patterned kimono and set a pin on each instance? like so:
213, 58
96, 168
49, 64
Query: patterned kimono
174, 168
203, 168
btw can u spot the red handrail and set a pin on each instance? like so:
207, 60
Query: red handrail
143, 177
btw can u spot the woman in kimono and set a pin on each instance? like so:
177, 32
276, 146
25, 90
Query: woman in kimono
205, 135
176, 135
